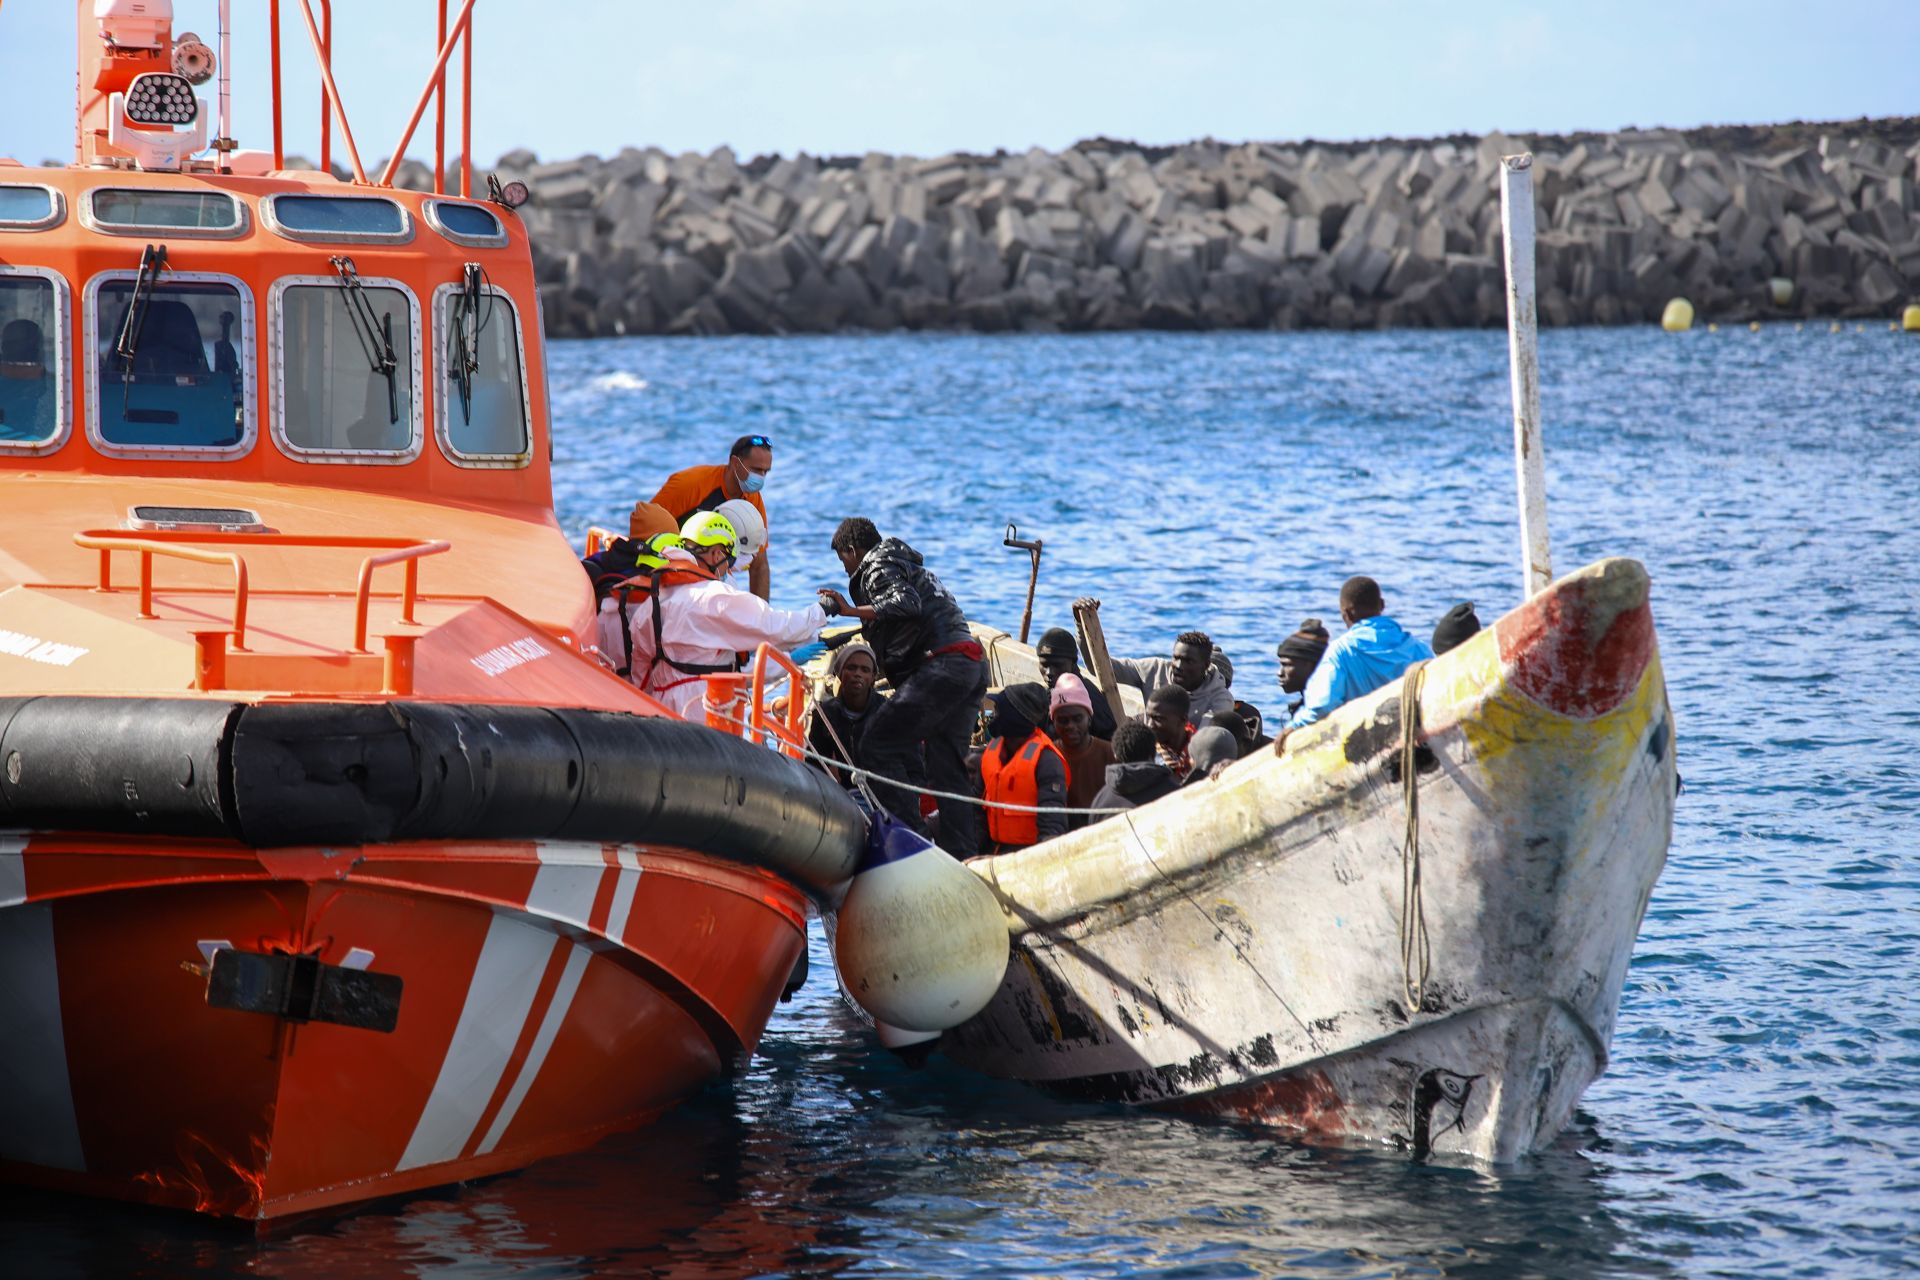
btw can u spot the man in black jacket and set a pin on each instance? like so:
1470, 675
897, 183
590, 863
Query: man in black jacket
937, 669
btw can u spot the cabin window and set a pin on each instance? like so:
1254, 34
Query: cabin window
468, 224
172, 365
343, 219
28, 208
480, 388
33, 339
347, 381
131, 211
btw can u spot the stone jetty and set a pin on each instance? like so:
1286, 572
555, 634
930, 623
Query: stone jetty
1112, 235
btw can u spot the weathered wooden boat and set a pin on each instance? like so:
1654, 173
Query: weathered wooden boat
1272, 947
311, 892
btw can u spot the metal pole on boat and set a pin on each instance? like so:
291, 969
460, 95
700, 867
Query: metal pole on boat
1523, 353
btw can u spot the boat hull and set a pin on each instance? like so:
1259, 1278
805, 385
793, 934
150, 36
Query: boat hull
1237, 950
549, 993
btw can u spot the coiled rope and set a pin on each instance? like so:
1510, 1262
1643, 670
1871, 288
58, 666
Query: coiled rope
1416, 949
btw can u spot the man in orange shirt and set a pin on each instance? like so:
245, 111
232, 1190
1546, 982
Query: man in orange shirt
743, 475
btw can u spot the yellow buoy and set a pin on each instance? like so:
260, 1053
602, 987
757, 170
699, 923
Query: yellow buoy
1798, 327
1678, 316
1753, 326
1910, 319
1782, 290
1834, 327
1713, 328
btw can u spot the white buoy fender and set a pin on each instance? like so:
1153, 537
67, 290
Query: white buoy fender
921, 942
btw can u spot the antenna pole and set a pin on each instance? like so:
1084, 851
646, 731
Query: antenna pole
1516, 227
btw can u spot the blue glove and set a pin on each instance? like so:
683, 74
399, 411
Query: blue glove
808, 652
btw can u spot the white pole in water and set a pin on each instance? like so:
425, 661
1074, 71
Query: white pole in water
1523, 353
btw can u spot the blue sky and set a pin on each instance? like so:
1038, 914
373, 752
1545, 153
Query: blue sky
846, 76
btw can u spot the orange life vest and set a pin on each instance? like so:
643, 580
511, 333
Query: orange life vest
1016, 781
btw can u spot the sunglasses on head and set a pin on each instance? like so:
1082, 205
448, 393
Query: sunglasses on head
759, 442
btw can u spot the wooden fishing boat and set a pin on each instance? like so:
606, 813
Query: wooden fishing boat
1272, 947
311, 891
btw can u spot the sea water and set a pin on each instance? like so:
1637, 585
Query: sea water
1761, 1114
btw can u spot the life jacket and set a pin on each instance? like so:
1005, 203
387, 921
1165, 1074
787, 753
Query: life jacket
1016, 781
625, 557
649, 584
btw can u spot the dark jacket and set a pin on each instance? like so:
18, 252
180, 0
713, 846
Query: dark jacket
914, 614
1131, 785
850, 728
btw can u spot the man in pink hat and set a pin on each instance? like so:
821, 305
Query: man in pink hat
1087, 757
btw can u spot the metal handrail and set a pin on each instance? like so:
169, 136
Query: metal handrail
147, 550
163, 542
790, 736
363, 598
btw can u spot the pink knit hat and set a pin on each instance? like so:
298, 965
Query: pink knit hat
1071, 691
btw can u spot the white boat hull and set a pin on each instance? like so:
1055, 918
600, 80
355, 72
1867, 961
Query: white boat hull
1235, 950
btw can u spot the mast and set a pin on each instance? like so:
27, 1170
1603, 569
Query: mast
1529, 458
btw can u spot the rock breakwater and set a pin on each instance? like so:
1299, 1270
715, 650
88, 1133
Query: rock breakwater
1110, 235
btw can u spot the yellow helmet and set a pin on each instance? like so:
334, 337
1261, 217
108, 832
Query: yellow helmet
710, 529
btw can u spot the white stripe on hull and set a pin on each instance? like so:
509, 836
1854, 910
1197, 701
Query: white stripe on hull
629, 858
37, 1122
499, 1001
556, 1014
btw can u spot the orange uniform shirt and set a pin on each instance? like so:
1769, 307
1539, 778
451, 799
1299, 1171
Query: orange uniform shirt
699, 489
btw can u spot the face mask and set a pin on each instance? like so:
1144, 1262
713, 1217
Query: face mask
753, 482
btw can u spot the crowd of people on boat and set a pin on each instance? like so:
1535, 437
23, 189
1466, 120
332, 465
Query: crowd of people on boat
1050, 756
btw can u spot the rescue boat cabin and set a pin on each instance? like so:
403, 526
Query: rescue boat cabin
196, 347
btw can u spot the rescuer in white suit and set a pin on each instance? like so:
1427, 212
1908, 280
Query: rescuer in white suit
703, 621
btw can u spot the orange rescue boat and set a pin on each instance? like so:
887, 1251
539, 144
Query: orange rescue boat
336, 862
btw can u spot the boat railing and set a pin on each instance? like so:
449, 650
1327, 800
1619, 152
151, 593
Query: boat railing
736, 702
212, 667
786, 734
149, 548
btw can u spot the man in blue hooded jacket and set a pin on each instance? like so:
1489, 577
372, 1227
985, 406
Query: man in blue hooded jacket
1374, 652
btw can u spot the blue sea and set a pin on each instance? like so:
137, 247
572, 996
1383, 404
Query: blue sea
1761, 1115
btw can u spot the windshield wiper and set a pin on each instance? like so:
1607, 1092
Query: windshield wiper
375, 332
464, 332
153, 260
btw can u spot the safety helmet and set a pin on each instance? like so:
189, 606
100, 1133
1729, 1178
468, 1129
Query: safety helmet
653, 551
710, 529
749, 529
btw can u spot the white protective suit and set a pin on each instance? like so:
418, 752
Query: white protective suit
706, 624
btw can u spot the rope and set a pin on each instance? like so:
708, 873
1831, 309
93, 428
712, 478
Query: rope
859, 773
814, 717
1416, 950
1221, 934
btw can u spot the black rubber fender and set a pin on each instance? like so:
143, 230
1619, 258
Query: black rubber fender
277, 774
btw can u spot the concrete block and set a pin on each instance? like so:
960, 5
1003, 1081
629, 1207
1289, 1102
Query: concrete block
1878, 286
944, 181
1701, 193
1303, 237
1247, 221
833, 214
868, 253
923, 265
913, 200
1125, 244
1655, 198
1010, 235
